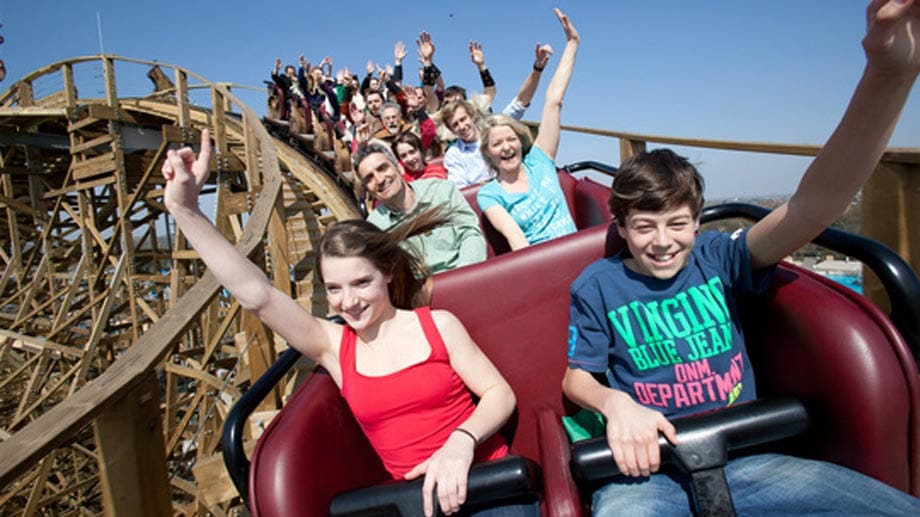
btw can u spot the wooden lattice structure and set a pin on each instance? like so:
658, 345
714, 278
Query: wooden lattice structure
119, 356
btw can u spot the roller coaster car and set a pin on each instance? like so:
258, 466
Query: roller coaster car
810, 338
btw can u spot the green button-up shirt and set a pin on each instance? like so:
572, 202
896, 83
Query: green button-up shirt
455, 244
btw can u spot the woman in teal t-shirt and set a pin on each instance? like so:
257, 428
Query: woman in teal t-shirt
525, 202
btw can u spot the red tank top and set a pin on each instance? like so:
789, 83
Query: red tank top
409, 414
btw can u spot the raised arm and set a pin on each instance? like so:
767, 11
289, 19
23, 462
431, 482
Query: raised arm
430, 73
185, 176
550, 122
542, 55
479, 59
892, 47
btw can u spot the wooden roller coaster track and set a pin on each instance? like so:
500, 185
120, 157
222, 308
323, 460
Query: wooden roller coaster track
119, 355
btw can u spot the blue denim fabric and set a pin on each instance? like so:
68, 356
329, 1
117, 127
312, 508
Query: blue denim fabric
764, 484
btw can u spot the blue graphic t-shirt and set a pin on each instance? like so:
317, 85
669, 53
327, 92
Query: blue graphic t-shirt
674, 345
541, 212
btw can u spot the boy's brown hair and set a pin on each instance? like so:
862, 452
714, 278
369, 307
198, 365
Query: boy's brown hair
655, 181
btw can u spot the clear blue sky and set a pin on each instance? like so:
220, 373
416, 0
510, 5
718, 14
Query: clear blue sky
771, 71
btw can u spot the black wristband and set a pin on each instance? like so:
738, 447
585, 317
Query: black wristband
538, 68
430, 75
486, 77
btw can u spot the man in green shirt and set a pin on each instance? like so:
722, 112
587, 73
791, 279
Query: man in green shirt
453, 245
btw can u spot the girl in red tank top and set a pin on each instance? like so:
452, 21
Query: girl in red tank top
408, 374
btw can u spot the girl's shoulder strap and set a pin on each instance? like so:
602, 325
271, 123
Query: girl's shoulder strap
432, 334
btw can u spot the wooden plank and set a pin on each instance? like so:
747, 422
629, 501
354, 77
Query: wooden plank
61, 192
32, 111
73, 127
36, 344
55, 100
131, 455
39, 487
101, 322
90, 144
183, 111
70, 88
104, 164
213, 479
25, 96
112, 114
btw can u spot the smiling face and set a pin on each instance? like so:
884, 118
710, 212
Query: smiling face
410, 157
381, 177
503, 149
463, 125
660, 241
356, 290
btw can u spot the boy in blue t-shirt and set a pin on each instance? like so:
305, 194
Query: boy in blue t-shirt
660, 319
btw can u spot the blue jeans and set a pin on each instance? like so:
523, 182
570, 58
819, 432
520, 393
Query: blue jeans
763, 484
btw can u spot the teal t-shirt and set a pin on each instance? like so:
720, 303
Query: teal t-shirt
541, 212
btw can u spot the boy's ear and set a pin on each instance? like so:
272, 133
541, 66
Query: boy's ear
621, 230
696, 229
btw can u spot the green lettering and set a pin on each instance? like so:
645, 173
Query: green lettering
623, 328
675, 318
688, 312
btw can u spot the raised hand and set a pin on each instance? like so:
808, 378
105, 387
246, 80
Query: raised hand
370, 67
892, 41
570, 33
425, 48
399, 53
542, 54
277, 64
447, 470
186, 174
476, 54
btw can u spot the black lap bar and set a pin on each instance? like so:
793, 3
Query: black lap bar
704, 442
509, 478
704, 439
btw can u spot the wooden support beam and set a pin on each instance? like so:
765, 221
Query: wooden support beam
183, 110
70, 88
629, 147
890, 212
132, 458
25, 96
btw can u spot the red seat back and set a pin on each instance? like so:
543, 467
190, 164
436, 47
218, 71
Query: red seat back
834, 350
312, 450
516, 308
